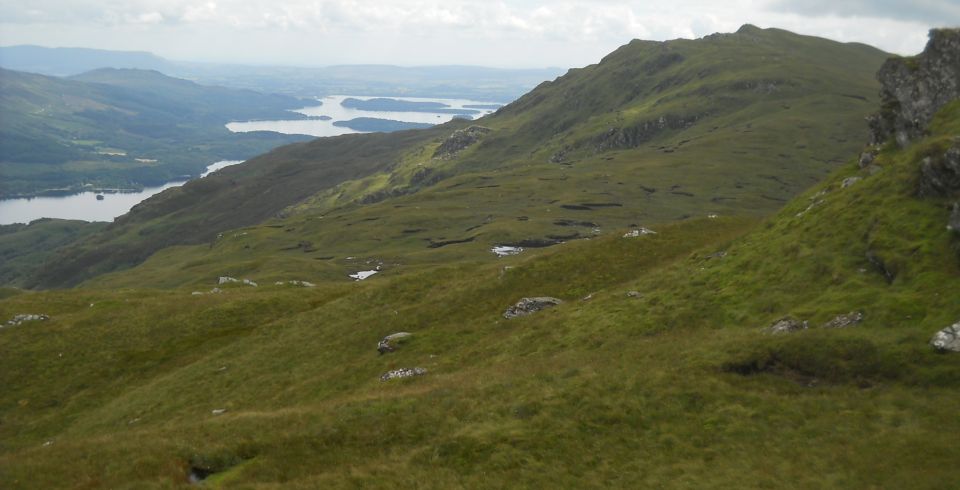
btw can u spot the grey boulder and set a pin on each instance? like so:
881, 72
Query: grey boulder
947, 339
529, 306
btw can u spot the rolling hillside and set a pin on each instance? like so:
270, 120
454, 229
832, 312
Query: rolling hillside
122, 128
657, 370
729, 125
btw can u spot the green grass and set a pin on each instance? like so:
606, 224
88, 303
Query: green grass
679, 387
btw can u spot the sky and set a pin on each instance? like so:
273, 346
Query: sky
501, 33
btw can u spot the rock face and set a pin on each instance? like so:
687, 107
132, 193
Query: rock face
940, 175
529, 306
389, 343
459, 140
786, 324
26, 317
844, 321
403, 373
947, 339
913, 89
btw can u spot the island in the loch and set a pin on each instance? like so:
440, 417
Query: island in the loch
377, 125
398, 105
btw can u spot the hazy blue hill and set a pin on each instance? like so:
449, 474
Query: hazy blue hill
72, 61
470, 82
122, 128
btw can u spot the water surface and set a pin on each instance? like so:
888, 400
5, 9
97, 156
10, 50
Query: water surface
84, 205
331, 107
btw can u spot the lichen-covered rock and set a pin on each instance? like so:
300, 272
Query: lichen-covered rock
389, 343
844, 321
915, 88
403, 373
529, 306
459, 140
26, 317
940, 174
786, 324
947, 339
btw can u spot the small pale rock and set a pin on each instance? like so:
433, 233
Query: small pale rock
638, 232
248, 282
843, 321
786, 325
634, 294
953, 223
947, 339
26, 317
197, 293
403, 373
388, 343
218, 411
849, 181
529, 306
226, 280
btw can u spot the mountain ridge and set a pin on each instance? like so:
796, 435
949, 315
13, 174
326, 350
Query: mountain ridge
737, 114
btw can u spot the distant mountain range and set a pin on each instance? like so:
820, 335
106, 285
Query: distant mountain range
470, 82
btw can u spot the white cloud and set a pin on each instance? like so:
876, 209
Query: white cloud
502, 32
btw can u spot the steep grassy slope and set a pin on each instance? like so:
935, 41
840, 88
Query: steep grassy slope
655, 372
731, 124
24, 248
122, 128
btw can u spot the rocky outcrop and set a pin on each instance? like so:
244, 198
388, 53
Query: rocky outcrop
26, 317
947, 339
940, 174
529, 306
786, 324
844, 321
459, 140
915, 88
390, 342
643, 131
403, 373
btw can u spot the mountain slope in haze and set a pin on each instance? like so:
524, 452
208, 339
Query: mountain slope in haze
63, 62
450, 81
122, 128
731, 124
658, 370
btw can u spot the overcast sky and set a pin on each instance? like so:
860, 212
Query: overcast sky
507, 33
